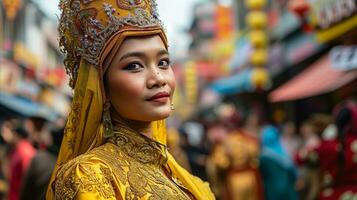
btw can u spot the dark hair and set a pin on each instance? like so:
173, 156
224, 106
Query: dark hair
21, 132
343, 118
18, 128
57, 136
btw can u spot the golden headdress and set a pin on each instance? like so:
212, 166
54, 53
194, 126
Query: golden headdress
91, 32
86, 27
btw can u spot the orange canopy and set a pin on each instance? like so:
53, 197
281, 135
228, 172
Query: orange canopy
317, 79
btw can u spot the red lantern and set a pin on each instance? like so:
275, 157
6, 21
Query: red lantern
299, 7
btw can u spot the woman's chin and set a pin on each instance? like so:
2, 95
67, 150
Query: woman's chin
160, 114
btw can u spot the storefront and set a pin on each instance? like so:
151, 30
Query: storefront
19, 95
324, 76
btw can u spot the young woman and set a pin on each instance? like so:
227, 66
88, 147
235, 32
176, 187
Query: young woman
114, 145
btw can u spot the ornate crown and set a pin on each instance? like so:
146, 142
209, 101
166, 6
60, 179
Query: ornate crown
86, 25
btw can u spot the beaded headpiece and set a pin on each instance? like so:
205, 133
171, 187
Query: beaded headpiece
86, 25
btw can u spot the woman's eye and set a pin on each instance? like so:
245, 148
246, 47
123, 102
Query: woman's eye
133, 67
165, 63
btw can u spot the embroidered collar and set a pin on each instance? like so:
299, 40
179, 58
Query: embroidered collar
138, 146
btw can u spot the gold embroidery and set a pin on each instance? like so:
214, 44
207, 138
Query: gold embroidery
131, 4
132, 159
69, 184
73, 121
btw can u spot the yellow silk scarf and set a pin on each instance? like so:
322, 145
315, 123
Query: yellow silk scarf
84, 128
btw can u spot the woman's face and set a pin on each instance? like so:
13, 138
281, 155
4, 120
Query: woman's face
140, 81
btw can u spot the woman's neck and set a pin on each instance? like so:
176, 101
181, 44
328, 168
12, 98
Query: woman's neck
141, 127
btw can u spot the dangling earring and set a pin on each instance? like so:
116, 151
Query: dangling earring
172, 106
107, 122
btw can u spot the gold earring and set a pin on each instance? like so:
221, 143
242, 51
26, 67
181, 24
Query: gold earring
172, 106
107, 122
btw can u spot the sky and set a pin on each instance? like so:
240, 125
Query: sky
175, 14
177, 17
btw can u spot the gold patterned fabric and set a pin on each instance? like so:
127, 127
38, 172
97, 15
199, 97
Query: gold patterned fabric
128, 166
125, 166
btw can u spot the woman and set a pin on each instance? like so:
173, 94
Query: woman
114, 145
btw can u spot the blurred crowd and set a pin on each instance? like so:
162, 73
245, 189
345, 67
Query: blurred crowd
28, 152
241, 156
247, 158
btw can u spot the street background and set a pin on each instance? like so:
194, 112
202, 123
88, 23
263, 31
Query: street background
260, 89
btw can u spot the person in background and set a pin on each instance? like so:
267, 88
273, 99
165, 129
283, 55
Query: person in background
243, 180
193, 145
252, 124
235, 159
175, 147
20, 155
39, 135
289, 139
276, 167
39, 173
310, 136
307, 179
217, 160
335, 160
4, 185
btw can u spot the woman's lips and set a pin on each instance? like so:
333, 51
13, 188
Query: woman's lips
161, 97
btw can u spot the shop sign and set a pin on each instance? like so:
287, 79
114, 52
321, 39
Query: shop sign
331, 12
224, 22
24, 56
11, 8
344, 57
332, 18
9, 75
53, 76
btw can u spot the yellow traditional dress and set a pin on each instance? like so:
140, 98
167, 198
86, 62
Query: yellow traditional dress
128, 166
96, 162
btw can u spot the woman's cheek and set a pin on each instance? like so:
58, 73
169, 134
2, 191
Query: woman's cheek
133, 86
171, 80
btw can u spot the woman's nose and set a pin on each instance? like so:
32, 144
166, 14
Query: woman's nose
156, 78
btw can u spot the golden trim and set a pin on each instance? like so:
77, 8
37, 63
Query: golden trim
337, 30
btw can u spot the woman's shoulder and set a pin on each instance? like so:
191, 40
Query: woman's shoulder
95, 158
87, 174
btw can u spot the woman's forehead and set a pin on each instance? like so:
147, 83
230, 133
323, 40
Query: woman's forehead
139, 44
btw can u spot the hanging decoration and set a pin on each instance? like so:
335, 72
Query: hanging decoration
301, 9
256, 20
191, 82
11, 8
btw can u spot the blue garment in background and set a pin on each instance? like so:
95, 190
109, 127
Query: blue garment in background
276, 167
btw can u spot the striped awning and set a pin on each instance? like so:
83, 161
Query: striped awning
317, 79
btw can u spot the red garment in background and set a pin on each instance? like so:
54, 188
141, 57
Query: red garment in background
20, 160
343, 181
343, 178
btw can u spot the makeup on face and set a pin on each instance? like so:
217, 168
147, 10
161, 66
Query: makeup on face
140, 81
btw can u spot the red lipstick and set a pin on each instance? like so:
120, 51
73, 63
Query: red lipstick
160, 97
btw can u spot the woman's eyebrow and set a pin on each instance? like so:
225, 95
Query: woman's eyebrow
142, 55
132, 54
163, 52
